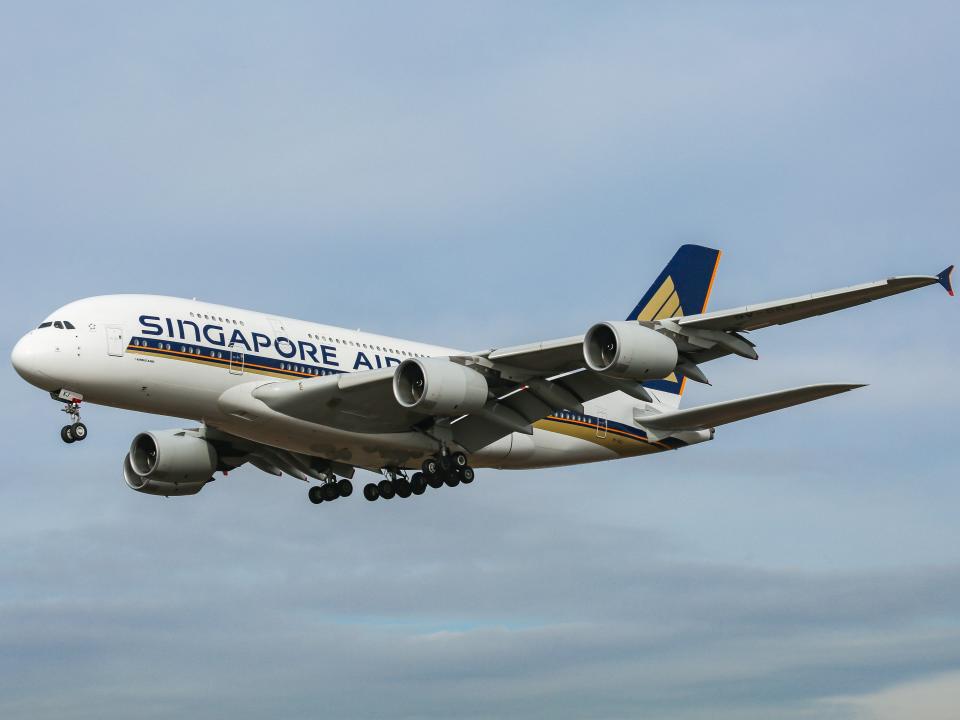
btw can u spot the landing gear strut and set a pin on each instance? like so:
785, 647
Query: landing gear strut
76, 430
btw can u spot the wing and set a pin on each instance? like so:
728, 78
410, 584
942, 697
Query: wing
708, 416
358, 402
710, 335
780, 312
525, 383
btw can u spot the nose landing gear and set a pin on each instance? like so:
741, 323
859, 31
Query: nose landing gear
76, 430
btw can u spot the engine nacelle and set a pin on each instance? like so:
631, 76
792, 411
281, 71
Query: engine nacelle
439, 387
169, 462
629, 351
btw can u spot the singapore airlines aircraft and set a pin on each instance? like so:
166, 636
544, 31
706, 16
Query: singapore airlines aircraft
317, 402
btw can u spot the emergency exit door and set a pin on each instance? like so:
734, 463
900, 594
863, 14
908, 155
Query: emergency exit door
115, 344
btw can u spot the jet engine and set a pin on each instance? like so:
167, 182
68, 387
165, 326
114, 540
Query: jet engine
169, 462
629, 351
439, 387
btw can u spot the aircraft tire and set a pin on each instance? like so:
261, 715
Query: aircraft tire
344, 487
386, 489
466, 474
315, 494
79, 432
418, 484
452, 479
430, 467
402, 486
66, 434
459, 460
371, 492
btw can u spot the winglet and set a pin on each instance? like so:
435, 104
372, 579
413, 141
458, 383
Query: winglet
944, 279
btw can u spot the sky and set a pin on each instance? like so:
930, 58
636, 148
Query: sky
477, 175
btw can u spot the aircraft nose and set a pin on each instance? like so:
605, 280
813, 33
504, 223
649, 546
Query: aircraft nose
26, 361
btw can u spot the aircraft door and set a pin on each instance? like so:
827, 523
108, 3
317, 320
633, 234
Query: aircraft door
115, 345
236, 360
601, 423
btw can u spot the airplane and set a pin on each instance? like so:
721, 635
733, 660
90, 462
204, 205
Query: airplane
317, 402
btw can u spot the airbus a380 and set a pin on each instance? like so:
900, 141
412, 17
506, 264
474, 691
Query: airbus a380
317, 402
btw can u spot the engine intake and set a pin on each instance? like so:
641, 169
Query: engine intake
439, 387
629, 351
169, 462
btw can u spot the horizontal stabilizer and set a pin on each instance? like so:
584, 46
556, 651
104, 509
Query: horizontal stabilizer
708, 416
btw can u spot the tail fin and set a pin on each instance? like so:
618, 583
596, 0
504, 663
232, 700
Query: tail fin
683, 288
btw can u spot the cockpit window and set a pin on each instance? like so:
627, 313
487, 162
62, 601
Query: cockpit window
45, 325
58, 325
68, 325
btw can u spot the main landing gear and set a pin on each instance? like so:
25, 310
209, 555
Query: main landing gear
330, 491
76, 430
447, 469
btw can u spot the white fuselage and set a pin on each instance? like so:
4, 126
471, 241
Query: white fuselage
194, 360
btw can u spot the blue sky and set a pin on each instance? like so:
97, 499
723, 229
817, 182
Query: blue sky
477, 176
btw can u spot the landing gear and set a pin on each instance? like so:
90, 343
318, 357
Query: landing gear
449, 469
76, 430
330, 491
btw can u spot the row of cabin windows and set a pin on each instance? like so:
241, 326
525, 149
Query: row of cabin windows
225, 321
365, 346
58, 324
192, 350
324, 338
306, 369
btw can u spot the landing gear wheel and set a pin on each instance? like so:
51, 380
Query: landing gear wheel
446, 463
315, 494
345, 487
418, 484
452, 479
430, 467
402, 486
459, 460
66, 434
370, 492
466, 475
329, 491
436, 482
79, 432
386, 489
